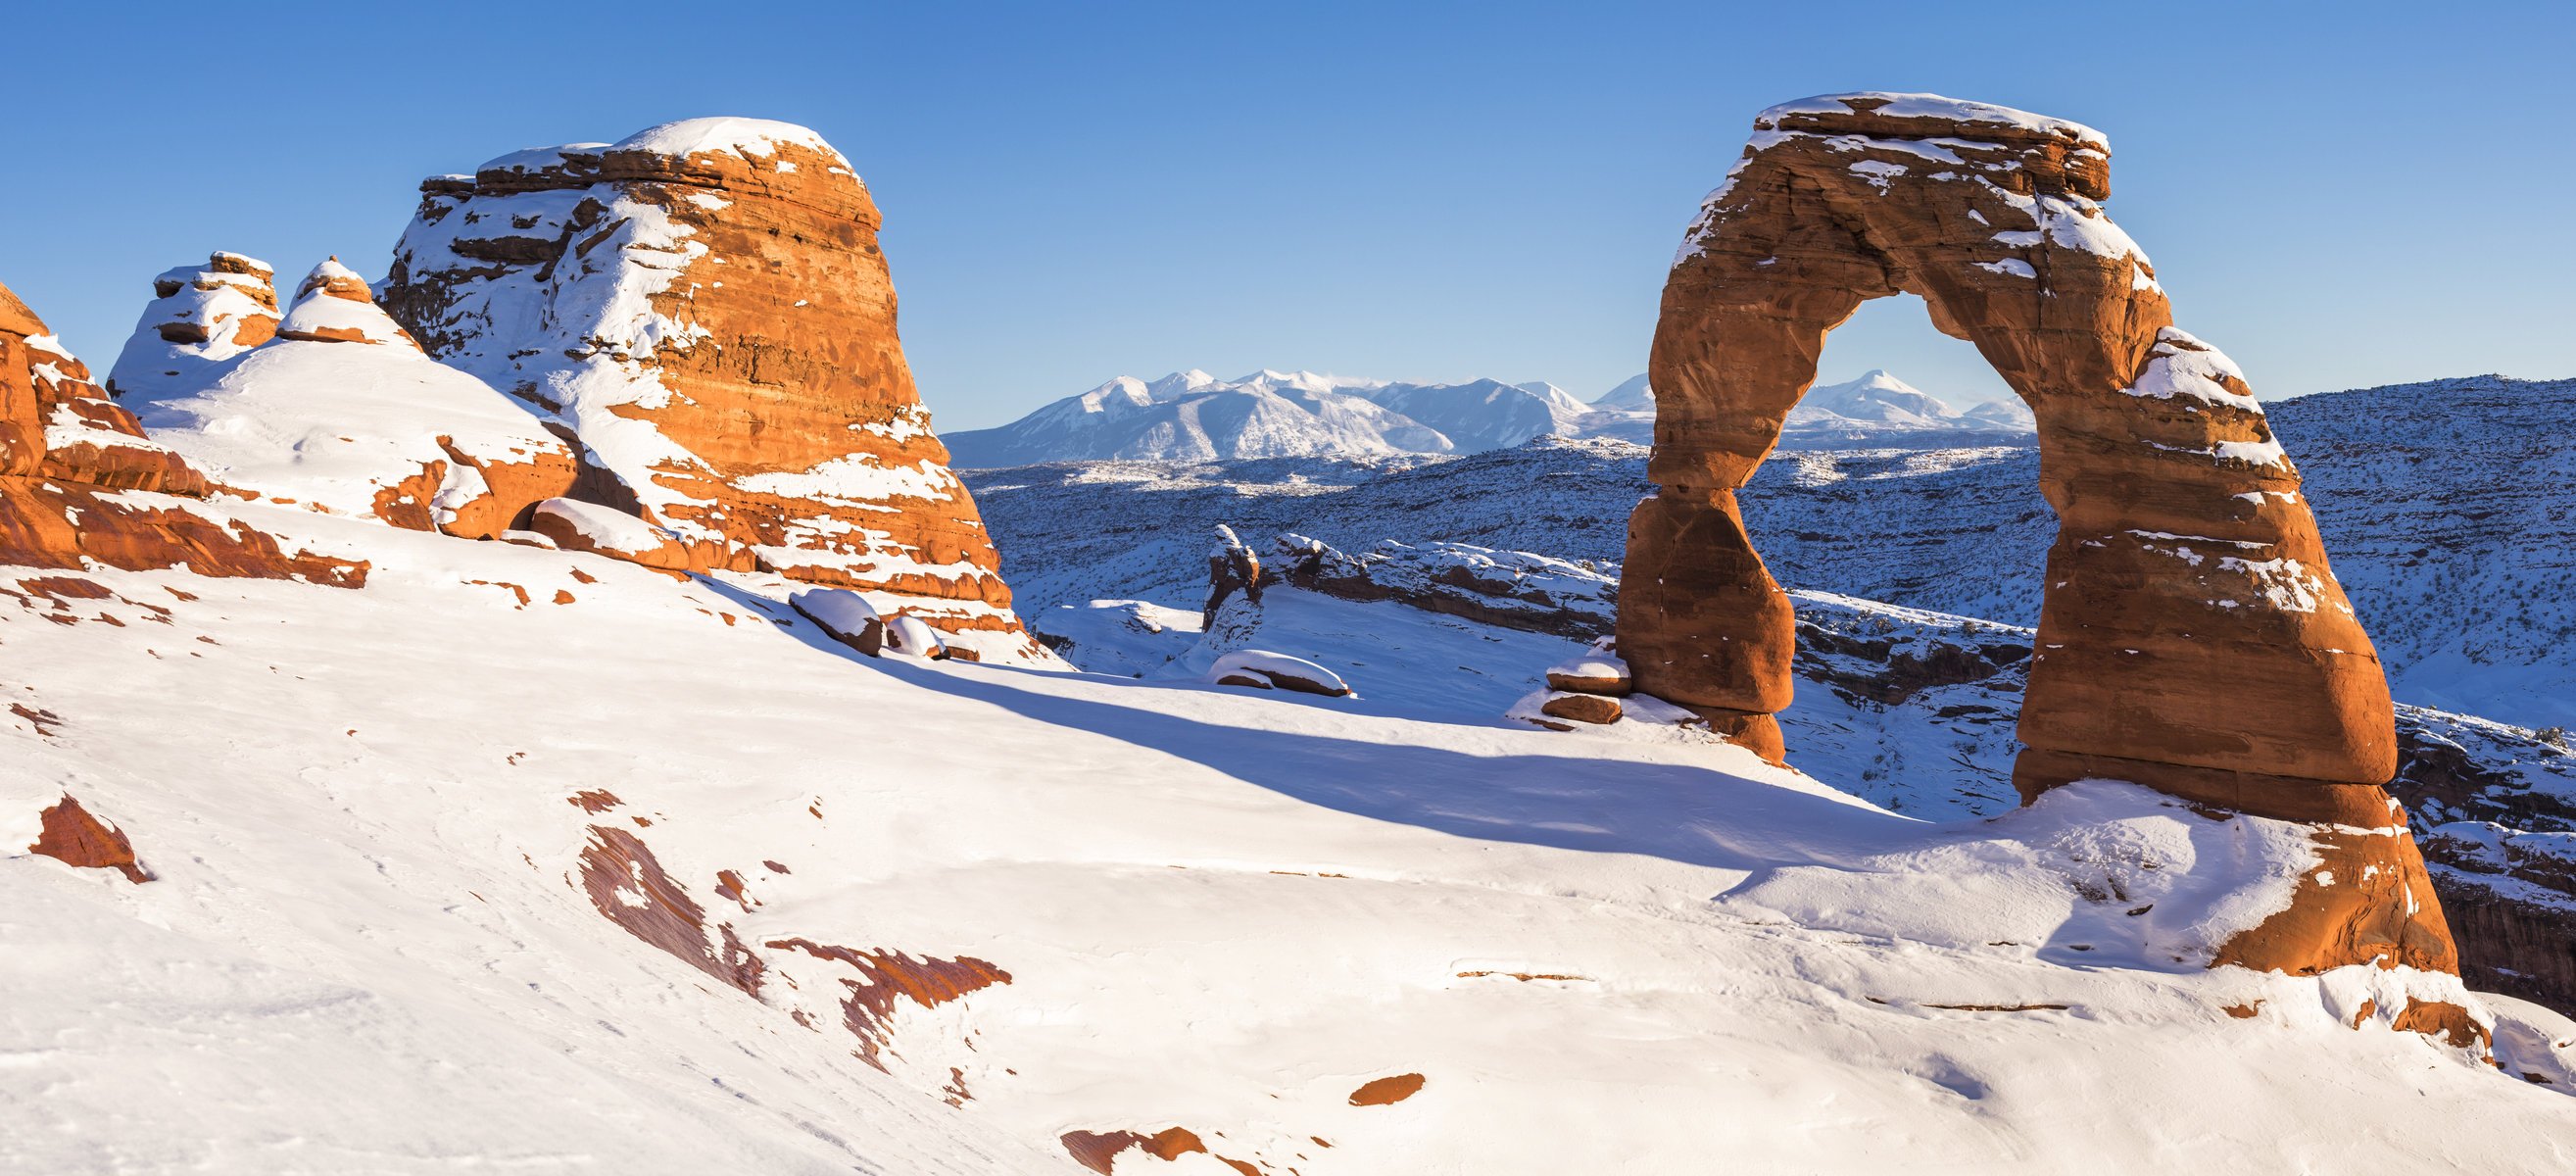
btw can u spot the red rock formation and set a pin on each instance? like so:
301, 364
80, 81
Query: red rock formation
704, 304
628, 885
1387, 1091
2192, 639
64, 444
199, 316
1099, 1150
886, 976
72, 836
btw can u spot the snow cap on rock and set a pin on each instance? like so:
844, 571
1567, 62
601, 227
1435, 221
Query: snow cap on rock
334, 305
199, 315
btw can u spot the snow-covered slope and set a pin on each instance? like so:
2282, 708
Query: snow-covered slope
1875, 410
420, 916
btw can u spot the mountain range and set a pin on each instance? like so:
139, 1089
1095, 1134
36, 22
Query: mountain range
1192, 416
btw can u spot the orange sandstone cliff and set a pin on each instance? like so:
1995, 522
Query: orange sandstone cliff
704, 306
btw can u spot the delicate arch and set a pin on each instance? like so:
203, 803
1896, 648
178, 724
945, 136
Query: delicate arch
2192, 637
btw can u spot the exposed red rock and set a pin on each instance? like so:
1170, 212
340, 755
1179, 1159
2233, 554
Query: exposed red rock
723, 344
72, 836
1385, 1091
64, 445
888, 976
2192, 639
628, 885
1581, 708
1099, 1150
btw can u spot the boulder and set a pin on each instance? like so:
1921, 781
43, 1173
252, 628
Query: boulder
719, 337
1596, 672
2192, 638
199, 316
72, 836
845, 616
1581, 708
1264, 670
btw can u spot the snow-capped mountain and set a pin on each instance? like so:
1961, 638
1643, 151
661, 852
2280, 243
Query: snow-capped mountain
1192, 416
1877, 410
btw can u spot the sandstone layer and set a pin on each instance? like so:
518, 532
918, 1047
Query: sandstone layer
2192, 639
80, 484
704, 304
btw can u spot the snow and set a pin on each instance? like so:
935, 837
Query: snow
315, 311
1221, 909
739, 137
538, 158
329, 425
1899, 105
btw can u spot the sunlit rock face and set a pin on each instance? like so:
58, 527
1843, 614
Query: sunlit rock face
704, 305
2193, 638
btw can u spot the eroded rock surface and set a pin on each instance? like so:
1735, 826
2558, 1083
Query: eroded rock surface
705, 305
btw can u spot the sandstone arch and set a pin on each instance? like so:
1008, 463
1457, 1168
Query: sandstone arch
2192, 638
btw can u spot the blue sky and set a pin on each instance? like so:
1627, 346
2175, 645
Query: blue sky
2337, 195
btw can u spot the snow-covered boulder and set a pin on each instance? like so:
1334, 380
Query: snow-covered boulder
1264, 669
575, 525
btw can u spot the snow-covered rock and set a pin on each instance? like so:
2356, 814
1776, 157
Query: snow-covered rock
199, 316
340, 412
703, 307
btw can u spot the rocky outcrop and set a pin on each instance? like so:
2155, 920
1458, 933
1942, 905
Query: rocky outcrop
2193, 638
199, 316
70, 835
66, 453
334, 305
1232, 568
340, 412
704, 305
1510, 589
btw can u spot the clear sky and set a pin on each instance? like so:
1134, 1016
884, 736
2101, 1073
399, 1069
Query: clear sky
2338, 195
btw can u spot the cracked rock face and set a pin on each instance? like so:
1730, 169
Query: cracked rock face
704, 305
2192, 639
